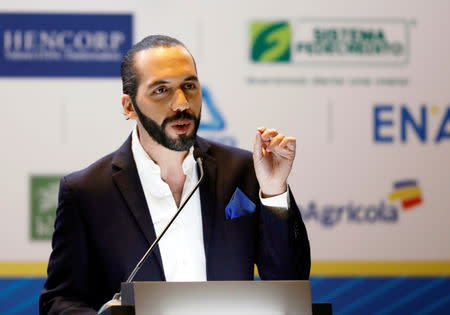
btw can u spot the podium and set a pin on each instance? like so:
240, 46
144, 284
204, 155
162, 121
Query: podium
218, 298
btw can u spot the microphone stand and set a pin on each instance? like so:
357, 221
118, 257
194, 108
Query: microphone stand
117, 300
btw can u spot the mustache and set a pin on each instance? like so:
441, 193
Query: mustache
177, 116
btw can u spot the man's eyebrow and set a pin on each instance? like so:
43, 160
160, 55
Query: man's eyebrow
156, 83
191, 78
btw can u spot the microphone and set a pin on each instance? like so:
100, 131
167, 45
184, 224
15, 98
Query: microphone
198, 154
116, 300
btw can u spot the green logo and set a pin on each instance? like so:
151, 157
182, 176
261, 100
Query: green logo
270, 41
44, 201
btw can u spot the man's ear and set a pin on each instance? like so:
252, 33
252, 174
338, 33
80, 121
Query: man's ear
128, 108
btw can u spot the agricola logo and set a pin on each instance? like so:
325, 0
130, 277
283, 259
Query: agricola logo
270, 41
408, 192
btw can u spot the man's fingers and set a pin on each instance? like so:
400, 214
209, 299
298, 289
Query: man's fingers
283, 146
269, 140
289, 143
275, 142
257, 148
268, 134
266, 137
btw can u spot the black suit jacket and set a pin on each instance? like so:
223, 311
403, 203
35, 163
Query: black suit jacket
103, 227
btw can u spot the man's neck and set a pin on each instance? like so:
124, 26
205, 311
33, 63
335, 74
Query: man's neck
170, 163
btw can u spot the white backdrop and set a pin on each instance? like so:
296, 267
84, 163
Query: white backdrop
56, 126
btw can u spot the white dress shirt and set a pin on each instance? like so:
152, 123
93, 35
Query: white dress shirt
182, 248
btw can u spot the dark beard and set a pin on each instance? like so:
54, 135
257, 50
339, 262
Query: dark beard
182, 142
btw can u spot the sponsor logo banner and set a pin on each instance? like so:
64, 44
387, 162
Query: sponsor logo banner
44, 201
403, 123
408, 192
346, 41
63, 45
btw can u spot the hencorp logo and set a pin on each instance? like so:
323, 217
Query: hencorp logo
408, 192
63, 44
394, 123
381, 212
44, 201
345, 41
270, 41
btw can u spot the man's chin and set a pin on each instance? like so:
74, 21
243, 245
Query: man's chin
181, 142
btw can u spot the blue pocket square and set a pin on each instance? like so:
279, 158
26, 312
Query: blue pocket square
239, 205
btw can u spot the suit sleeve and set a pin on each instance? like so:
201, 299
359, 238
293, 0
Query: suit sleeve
284, 252
66, 290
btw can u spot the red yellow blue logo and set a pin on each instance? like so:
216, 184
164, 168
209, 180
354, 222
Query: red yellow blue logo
408, 192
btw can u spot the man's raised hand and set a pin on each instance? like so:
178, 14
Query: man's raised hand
273, 155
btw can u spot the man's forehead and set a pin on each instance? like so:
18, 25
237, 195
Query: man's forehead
162, 58
163, 50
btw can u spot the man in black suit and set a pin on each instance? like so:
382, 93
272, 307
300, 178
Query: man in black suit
109, 213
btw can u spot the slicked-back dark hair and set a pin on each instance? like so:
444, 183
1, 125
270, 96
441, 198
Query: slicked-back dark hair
130, 80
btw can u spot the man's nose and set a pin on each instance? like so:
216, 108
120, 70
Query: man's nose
180, 103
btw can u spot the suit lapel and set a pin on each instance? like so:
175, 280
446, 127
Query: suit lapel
207, 195
128, 182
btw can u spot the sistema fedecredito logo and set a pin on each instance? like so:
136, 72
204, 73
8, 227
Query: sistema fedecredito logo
405, 194
270, 41
340, 41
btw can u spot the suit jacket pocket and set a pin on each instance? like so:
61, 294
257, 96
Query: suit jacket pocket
242, 229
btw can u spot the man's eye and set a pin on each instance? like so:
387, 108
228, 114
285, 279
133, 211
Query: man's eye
189, 86
159, 90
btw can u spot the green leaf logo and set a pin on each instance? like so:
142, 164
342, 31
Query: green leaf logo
270, 41
44, 201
